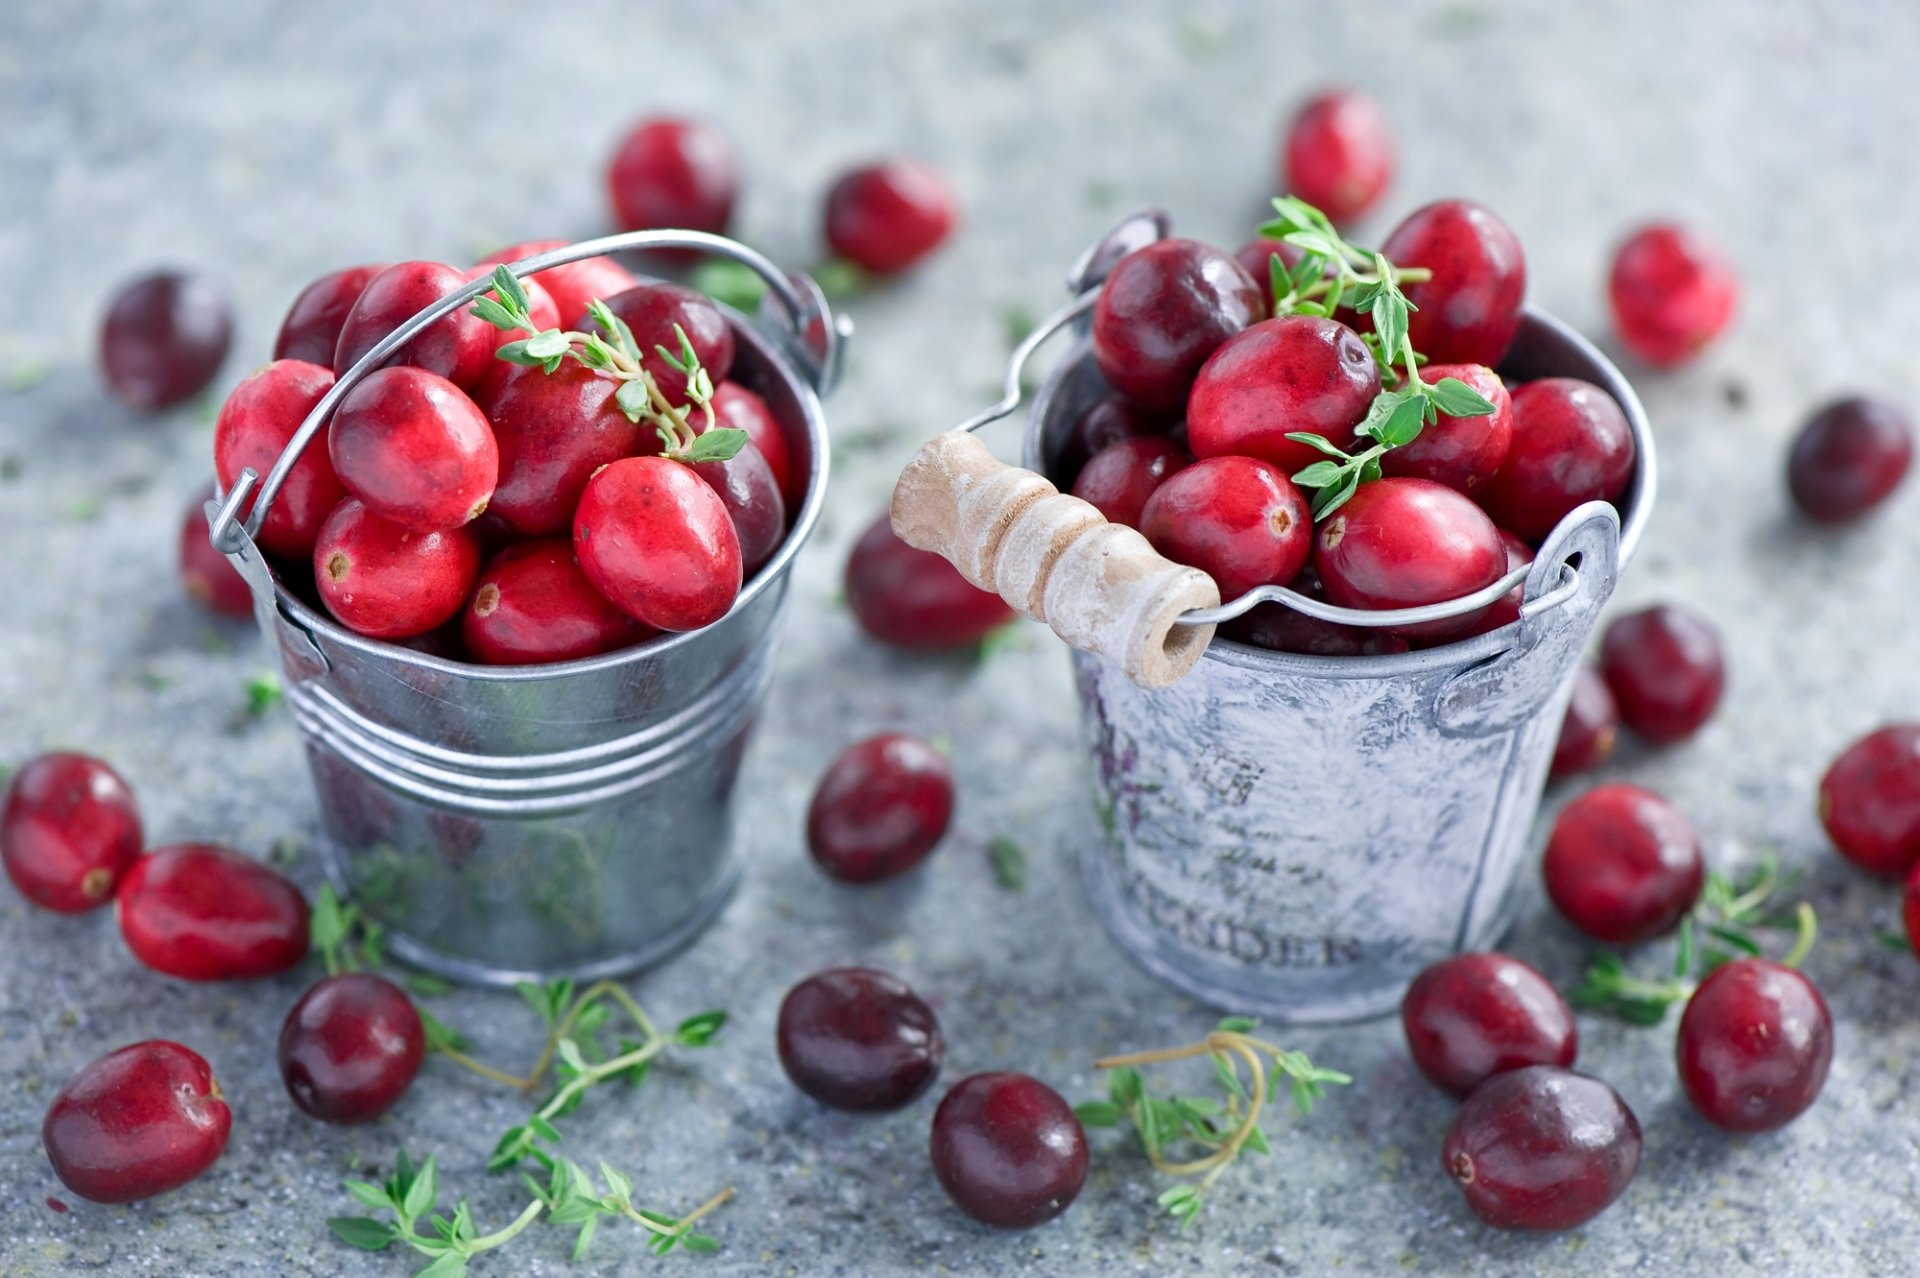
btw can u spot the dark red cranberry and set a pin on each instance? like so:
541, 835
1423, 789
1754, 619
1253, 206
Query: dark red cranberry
1591, 727
1461, 452
1665, 670
1338, 154
1162, 312
652, 311
311, 331
1297, 373
1542, 1148
209, 579
1008, 1150
69, 831
880, 809
1910, 909
857, 1039
571, 286
164, 338
1120, 478
553, 431
737, 408
1469, 311
1402, 543
1505, 610
1870, 800
1256, 258
1472, 1016
915, 599
1623, 865
385, 582
1849, 458
886, 216
135, 1123
1240, 521
671, 173
654, 538
1754, 1045
746, 486
204, 913
414, 449
459, 346
1279, 628
350, 1047
1571, 444
254, 427
1672, 291
534, 605
1106, 422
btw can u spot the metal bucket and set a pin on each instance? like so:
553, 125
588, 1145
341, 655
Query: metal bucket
575, 819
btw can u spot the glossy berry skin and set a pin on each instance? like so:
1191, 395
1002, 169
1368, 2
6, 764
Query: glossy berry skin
1121, 476
553, 430
1240, 521
414, 449
135, 1123
1505, 610
1542, 1148
1910, 910
1401, 543
1298, 373
205, 574
1623, 865
1672, 292
673, 173
1472, 1016
458, 347
350, 1048
1338, 154
1571, 444
204, 913
1870, 801
164, 337
885, 217
912, 598
1848, 458
737, 408
857, 1039
534, 605
1162, 313
880, 809
652, 311
311, 331
1105, 422
253, 429
69, 831
1255, 258
1008, 1150
1469, 312
1461, 452
1666, 670
746, 487
1754, 1045
385, 582
571, 286
1590, 729
654, 538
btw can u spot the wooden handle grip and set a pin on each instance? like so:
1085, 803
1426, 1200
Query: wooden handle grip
1054, 558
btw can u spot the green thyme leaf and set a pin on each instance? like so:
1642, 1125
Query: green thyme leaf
493, 313
1457, 399
359, 1231
1238, 1024
547, 345
263, 694
1403, 424
1319, 442
717, 445
698, 1031
1098, 1114
633, 400
516, 353
451, 1264
511, 290
420, 1195
730, 283
1009, 863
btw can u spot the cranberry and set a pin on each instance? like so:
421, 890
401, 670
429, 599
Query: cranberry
673, 173
884, 217
1665, 669
1257, 254
857, 1039
414, 449
1870, 800
657, 540
1162, 312
1591, 727
204, 913
1623, 865
880, 809
1120, 478
350, 1047
459, 346
1571, 444
311, 331
553, 431
1505, 610
746, 486
136, 1123
915, 599
1910, 909
69, 831
1279, 628
1472, 1016
534, 605
164, 338
1401, 543
1338, 154
737, 408
1542, 1148
1008, 1150
1849, 458
254, 427
652, 311
385, 582
1239, 520
1460, 452
1754, 1045
1672, 292
571, 286
1469, 311
206, 574
1295, 373
1106, 422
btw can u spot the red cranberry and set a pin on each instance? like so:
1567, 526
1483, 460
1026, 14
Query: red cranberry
1295, 373
1910, 909
311, 331
553, 431
860, 1040
136, 1123
69, 831
1162, 312
657, 540
254, 427
1339, 154
1505, 610
1571, 444
1623, 865
206, 574
672, 173
459, 346
746, 486
1008, 1150
1672, 292
204, 913
1257, 254
880, 808
1591, 727
350, 1048
652, 311
1469, 311
571, 286
1461, 452
414, 449
737, 408
884, 217
1754, 1045
1106, 422
1402, 543
1542, 1148
1120, 478
1665, 670
915, 599
1472, 1016
385, 582
1848, 458
534, 605
1240, 521
164, 338
1870, 800
1279, 628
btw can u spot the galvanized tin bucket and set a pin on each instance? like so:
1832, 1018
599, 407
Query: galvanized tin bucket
526, 823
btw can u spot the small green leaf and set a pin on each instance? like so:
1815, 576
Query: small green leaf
1279, 281
730, 283
570, 1053
516, 353
633, 400
699, 1243
544, 346
1457, 399
1895, 941
511, 290
423, 1192
263, 694
543, 1129
370, 1195
426, 985
585, 1240
1319, 474
618, 1183
440, 1037
1403, 424
1329, 500
451, 1264
492, 312
326, 923
717, 445
1009, 863
1229, 1077
1319, 442
513, 1143
1256, 1141
1124, 1086
1238, 1024
358, 1231
1098, 1114
698, 1031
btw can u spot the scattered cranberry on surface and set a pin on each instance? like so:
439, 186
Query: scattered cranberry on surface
205, 913
1469, 312
1754, 1045
1240, 521
858, 1039
737, 408
571, 286
207, 576
459, 346
1623, 865
350, 1048
653, 537
254, 427
1401, 543
913, 598
164, 337
1848, 458
1119, 478
385, 582
1672, 292
553, 431
1591, 728
1338, 154
1008, 1150
1297, 373
135, 1123
671, 173
1870, 800
69, 831
534, 605
880, 808
311, 331
1571, 444
1542, 1148
885, 217
1461, 452
1106, 422
653, 311
414, 449
1162, 312
1472, 1016
1665, 669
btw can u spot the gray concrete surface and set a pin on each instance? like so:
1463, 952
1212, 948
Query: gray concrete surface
271, 144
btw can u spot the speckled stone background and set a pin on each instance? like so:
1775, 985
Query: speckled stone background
270, 144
